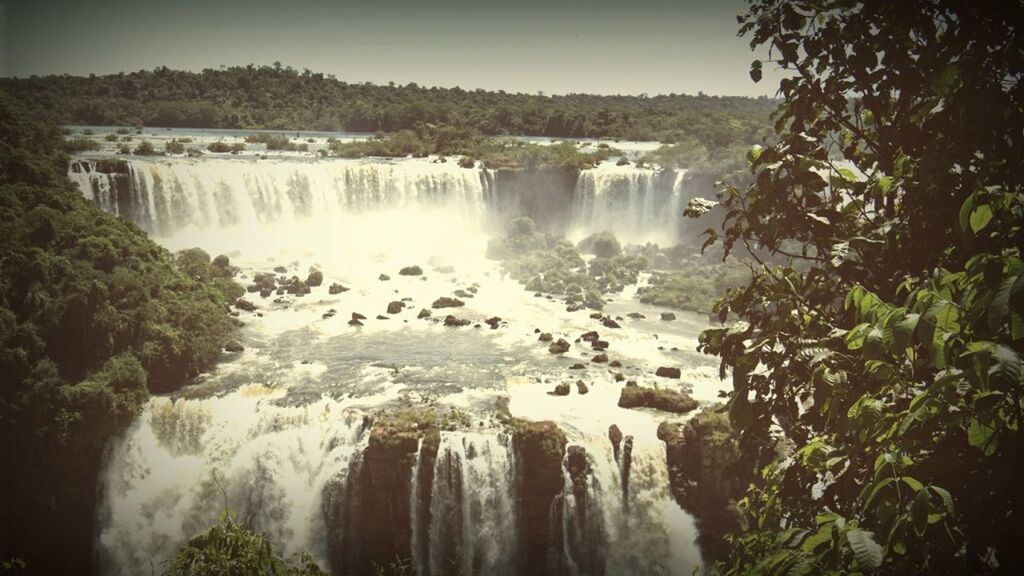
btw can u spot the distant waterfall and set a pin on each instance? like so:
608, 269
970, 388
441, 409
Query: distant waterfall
165, 196
472, 506
637, 204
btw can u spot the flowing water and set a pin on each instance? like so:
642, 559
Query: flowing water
276, 433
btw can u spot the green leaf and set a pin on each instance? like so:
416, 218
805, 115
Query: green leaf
980, 217
982, 436
814, 541
965, 212
999, 308
913, 483
868, 553
919, 512
946, 80
947, 499
903, 332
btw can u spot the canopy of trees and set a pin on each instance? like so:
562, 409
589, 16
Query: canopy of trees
877, 371
282, 98
93, 316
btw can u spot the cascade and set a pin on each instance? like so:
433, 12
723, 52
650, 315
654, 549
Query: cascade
637, 204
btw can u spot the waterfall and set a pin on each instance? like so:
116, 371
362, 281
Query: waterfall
637, 204
608, 529
184, 460
472, 506
416, 545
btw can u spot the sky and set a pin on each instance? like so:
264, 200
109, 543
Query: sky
550, 46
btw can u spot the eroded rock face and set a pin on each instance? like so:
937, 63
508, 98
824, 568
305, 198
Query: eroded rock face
707, 474
539, 449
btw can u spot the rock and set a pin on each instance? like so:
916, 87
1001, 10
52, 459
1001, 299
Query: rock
447, 302
668, 372
493, 322
252, 288
382, 317
615, 436
657, 398
631, 383
562, 389
559, 347
266, 292
668, 316
336, 288
424, 313
450, 320
545, 337
609, 323
383, 277
358, 316
315, 278
243, 304
600, 358
619, 377
539, 448
233, 346
354, 322
280, 269
326, 315
615, 364
636, 316
591, 336
463, 294
599, 345
581, 387
411, 271
577, 366
596, 315
395, 307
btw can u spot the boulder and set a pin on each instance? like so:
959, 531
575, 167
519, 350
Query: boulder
545, 337
657, 398
358, 316
447, 302
243, 304
280, 269
636, 316
382, 317
450, 320
599, 345
600, 358
615, 364
562, 389
315, 278
233, 346
668, 316
355, 322
336, 288
560, 346
493, 322
591, 336
577, 366
395, 307
411, 271
609, 323
615, 436
424, 313
463, 294
581, 387
668, 372
383, 277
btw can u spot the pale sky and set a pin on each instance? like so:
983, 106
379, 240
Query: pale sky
553, 46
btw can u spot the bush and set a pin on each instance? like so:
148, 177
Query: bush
79, 144
602, 244
174, 147
222, 147
145, 148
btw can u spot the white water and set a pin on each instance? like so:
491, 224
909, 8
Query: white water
472, 506
282, 420
638, 204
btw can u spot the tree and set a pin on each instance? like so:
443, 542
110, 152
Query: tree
876, 352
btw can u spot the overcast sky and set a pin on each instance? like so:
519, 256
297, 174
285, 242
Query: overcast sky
552, 46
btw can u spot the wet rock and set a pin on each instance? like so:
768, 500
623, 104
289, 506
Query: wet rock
383, 277
657, 398
600, 358
315, 278
626, 464
539, 447
328, 314
280, 269
609, 323
243, 304
382, 317
596, 315
631, 383
493, 322
336, 288
354, 322
581, 387
591, 336
545, 337
424, 313
450, 320
599, 345
395, 307
668, 372
266, 292
577, 366
411, 271
463, 294
615, 364
559, 346
252, 288
668, 316
619, 377
233, 346
561, 389
358, 316
447, 302
636, 316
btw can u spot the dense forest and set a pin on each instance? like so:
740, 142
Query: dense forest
93, 317
275, 97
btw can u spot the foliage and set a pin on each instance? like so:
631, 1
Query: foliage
93, 316
224, 147
252, 97
883, 356
696, 287
174, 146
228, 549
601, 244
145, 148
277, 142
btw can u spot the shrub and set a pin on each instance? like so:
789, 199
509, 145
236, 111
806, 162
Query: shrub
145, 148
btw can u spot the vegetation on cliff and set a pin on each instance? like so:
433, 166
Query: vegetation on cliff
886, 349
93, 316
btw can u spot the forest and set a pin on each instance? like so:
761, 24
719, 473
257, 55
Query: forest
276, 97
